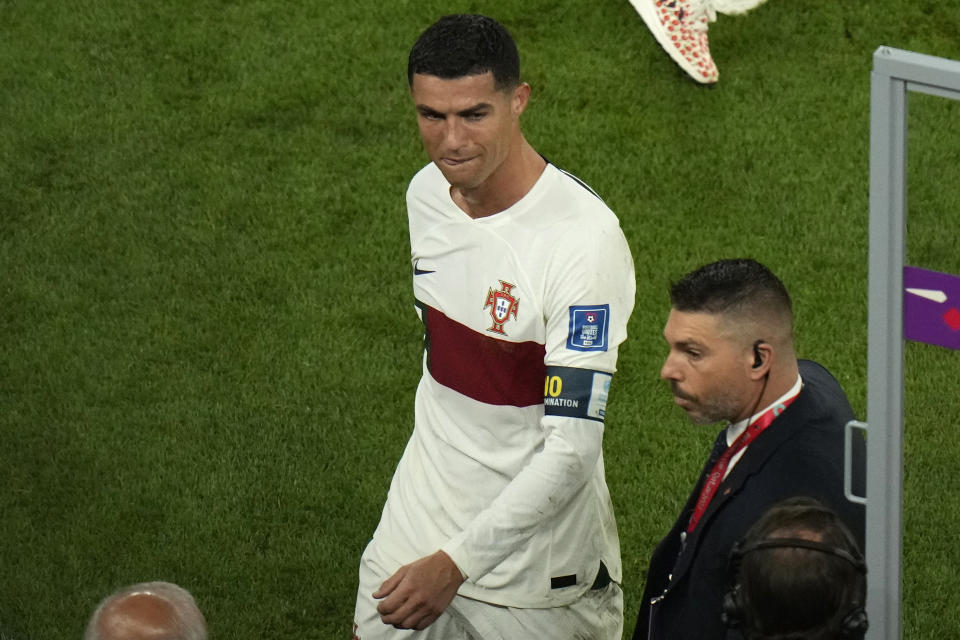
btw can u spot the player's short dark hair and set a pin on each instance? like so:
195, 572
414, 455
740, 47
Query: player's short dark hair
464, 45
739, 285
785, 590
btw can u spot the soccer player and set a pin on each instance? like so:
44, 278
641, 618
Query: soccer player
498, 522
731, 359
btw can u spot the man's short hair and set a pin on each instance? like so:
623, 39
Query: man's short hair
740, 286
464, 45
186, 623
797, 574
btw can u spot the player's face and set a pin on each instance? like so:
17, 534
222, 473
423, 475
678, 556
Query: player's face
467, 125
708, 367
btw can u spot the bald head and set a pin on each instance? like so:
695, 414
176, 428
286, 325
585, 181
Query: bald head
148, 611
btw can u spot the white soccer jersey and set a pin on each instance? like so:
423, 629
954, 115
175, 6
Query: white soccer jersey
523, 312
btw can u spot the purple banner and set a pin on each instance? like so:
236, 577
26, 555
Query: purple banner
931, 307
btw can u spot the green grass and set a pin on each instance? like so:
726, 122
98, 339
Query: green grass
208, 348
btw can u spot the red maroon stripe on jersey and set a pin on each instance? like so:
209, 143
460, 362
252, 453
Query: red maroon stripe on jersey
482, 367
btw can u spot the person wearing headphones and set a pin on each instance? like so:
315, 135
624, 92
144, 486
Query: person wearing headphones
732, 360
799, 574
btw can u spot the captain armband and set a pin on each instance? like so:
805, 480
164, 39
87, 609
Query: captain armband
576, 393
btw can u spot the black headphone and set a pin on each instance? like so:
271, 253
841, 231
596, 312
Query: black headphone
853, 625
757, 358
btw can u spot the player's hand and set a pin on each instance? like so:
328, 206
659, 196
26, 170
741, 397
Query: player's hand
419, 592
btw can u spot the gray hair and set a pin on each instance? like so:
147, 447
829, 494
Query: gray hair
187, 622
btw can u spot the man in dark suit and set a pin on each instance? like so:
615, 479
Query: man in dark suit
732, 359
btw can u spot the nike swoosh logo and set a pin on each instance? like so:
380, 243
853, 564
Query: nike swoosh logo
417, 271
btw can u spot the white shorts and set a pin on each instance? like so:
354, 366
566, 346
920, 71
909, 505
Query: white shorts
597, 615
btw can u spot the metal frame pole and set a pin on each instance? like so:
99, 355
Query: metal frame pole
888, 145
895, 72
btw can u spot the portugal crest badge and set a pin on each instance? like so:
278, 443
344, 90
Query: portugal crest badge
502, 305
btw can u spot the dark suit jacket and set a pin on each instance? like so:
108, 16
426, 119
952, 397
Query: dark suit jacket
800, 454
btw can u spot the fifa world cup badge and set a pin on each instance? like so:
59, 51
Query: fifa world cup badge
502, 305
589, 326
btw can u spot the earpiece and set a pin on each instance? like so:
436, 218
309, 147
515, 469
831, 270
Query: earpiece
757, 357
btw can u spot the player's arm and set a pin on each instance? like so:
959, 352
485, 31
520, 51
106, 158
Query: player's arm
416, 595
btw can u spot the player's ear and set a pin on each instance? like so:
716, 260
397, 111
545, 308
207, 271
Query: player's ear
521, 96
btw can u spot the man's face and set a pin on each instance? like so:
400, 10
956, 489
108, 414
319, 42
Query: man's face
708, 368
467, 125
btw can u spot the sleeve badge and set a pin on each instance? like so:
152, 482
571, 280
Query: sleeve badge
589, 328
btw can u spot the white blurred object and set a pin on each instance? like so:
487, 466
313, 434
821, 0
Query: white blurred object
680, 28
